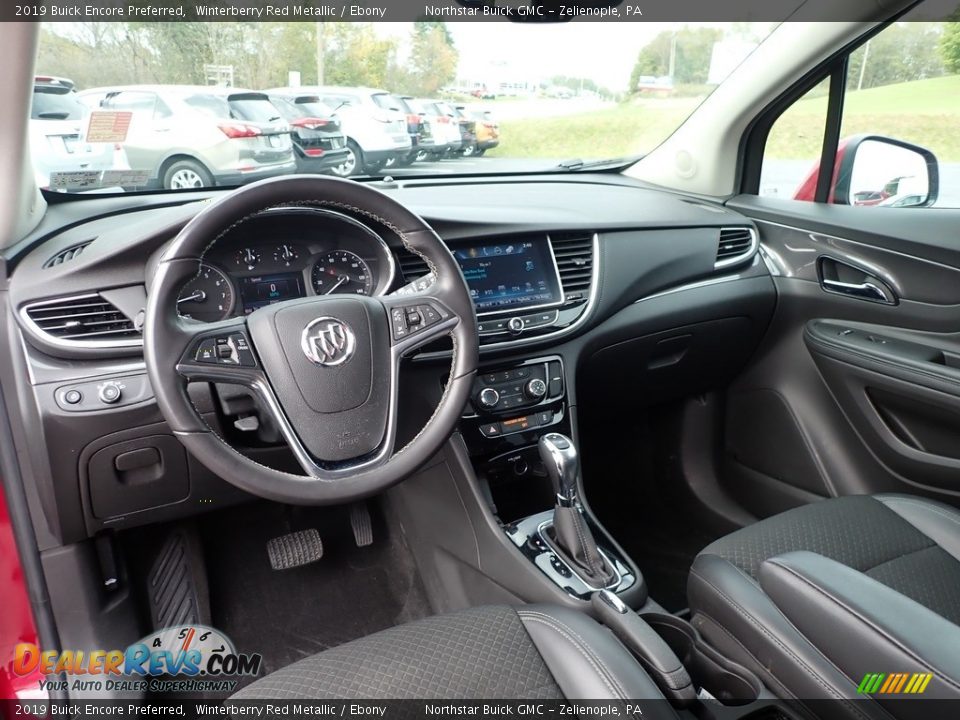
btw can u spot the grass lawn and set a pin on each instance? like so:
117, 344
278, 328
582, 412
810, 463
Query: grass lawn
926, 112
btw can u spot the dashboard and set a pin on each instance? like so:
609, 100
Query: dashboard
282, 254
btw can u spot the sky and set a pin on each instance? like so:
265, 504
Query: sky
602, 51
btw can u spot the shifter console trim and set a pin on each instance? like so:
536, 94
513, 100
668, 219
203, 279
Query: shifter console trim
529, 537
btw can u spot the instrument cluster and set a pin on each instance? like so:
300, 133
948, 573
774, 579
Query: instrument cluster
309, 252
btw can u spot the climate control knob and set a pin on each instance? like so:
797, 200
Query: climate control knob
488, 397
535, 389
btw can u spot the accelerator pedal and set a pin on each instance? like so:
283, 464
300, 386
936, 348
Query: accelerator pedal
295, 549
361, 524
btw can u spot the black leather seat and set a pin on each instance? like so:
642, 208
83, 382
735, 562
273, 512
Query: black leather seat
529, 652
815, 598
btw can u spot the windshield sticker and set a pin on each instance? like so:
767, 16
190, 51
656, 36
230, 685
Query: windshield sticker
108, 126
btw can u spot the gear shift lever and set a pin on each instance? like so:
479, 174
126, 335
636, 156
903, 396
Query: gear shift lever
571, 534
563, 466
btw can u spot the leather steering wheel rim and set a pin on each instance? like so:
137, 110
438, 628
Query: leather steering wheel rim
172, 357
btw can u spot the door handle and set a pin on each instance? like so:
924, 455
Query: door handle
843, 278
865, 290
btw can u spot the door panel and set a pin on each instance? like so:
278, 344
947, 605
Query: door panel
819, 413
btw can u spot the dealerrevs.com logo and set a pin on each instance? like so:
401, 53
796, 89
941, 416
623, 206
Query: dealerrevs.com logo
185, 658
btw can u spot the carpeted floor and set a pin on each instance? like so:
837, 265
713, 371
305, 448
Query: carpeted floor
289, 614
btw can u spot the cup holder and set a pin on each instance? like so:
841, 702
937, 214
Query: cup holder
728, 682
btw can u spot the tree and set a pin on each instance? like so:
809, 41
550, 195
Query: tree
356, 56
433, 59
903, 52
692, 49
950, 44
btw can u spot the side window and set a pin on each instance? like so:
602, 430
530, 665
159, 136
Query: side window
899, 129
134, 101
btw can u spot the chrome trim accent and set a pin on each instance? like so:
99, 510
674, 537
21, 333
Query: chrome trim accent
582, 318
737, 259
45, 337
541, 306
614, 582
690, 286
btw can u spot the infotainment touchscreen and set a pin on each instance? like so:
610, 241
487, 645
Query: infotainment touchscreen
511, 275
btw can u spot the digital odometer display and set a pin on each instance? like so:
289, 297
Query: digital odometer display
255, 292
510, 275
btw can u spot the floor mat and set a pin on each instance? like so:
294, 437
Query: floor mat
289, 614
631, 480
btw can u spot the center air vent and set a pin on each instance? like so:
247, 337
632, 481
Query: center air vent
411, 265
574, 254
66, 255
87, 319
736, 245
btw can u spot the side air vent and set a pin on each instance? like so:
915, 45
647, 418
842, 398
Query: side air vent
574, 254
736, 244
86, 319
411, 266
66, 255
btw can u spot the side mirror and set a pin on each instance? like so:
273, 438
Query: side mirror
875, 170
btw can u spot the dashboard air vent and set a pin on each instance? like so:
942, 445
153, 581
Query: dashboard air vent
66, 255
736, 244
574, 254
84, 317
411, 266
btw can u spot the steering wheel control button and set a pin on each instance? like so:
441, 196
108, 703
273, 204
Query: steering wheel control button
409, 319
110, 392
230, 349
72, 397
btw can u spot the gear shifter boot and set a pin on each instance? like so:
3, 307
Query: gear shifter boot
574, 539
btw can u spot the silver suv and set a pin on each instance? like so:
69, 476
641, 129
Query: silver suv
375, 126
194, 136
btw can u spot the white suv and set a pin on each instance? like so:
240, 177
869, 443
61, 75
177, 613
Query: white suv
376, 131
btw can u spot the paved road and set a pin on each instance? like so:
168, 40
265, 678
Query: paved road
780, 177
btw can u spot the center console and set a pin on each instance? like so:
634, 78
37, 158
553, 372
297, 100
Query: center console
513, 408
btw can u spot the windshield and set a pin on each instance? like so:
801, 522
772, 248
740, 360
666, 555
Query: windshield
411, 99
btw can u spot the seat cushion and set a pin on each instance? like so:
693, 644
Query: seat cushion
533, 652
882, 536
909, 544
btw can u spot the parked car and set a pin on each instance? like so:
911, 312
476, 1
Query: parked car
196, 136
375, 134
319, 144
58, 130
487, 130
447, 129
468, 130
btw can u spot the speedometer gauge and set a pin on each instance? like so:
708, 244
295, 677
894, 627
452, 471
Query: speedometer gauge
207, 297
341, 271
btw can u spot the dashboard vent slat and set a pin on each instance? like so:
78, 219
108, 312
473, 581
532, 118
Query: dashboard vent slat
80, 318
66, 255
574, 255
411, 266
735, 244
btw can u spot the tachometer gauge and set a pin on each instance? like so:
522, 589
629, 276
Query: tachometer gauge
207, 297
341, 271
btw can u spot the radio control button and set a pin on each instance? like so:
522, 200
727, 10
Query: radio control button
515, 325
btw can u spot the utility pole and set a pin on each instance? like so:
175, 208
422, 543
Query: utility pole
673, 55
320, 31
863, 65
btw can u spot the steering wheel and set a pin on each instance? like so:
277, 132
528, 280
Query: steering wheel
326, 368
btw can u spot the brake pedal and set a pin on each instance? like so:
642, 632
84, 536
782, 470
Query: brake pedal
361, 524
295, 549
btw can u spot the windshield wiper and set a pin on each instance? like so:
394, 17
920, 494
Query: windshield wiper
575, 164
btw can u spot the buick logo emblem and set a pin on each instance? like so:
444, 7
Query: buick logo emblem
328, 342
